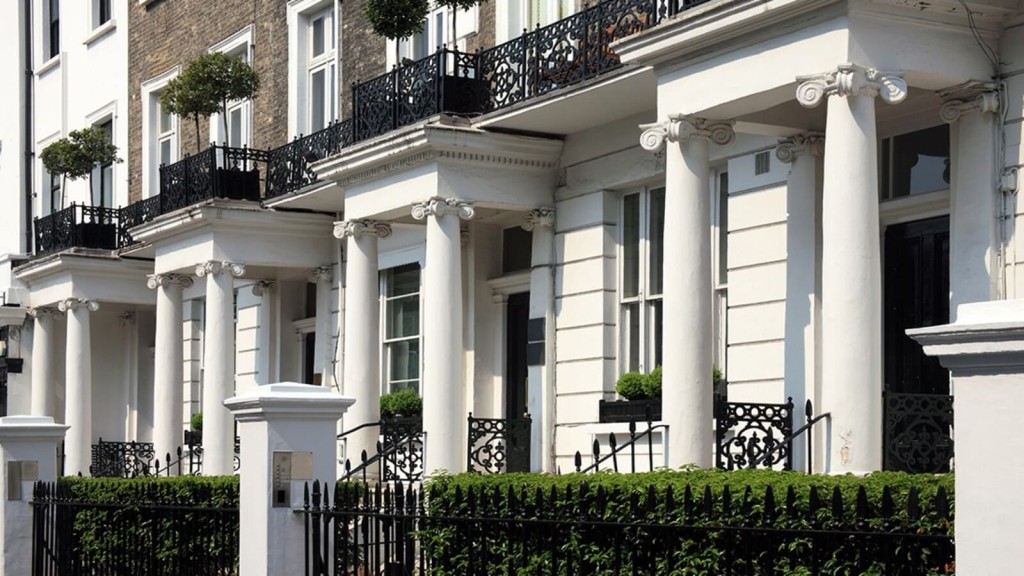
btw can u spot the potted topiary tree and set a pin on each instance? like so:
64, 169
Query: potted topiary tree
642, 394
74, 158
205, 87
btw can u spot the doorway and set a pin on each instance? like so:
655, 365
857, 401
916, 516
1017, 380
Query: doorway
516, 371
917, 404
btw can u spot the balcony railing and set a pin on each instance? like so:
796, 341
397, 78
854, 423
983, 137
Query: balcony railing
77, 226
539, 62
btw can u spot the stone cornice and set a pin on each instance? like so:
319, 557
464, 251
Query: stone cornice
851, 80
365, 227
72, 263
423, 144
982, 97
154, 281
438, 206
679, 128
811, 143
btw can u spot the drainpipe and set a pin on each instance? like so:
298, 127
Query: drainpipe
27, 126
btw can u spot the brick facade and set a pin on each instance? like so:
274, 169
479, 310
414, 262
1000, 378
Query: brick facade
165, 33
363, 52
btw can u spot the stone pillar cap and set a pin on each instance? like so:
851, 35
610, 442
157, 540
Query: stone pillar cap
31, 427
288, 400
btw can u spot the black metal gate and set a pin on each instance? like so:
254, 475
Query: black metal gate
752, 435
498, 445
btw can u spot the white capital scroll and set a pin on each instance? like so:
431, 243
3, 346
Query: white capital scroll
44, 312
539, 217
263, 287
214, 267
438, 206
77, 303
365, 227
679, 127
155, 280
812, 143
974, 96
325, 273
851, 80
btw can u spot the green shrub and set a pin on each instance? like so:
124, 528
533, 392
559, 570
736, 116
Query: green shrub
117, 520
622, 501
196, 422
632, 386
652, 386
401, 403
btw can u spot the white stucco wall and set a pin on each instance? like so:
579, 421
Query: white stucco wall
1012, 232
12, 145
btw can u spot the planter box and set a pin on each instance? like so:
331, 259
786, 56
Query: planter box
93, 235
629, 410
238, 184
462, 95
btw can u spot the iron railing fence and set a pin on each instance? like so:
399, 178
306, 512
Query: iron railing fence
136, 214
750, 433
403, 529
288, 166
139, 459
498, 445
77, 226
918, 432
166, 534
220, 171
399, 456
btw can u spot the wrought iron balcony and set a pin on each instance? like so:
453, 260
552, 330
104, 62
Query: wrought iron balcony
77, 226
288, 166
217, 172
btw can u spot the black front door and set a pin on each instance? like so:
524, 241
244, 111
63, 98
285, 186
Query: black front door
515, 355
918, 407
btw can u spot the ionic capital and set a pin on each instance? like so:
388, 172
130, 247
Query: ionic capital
438, 206
215, 267
263, 287
981, 97
679, 127
73, 304
321, 273
153, 281
463, 237
539, 218
811, 143
851, 80
358, 228
127, 318
43, 312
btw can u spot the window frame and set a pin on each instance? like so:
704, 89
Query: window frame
104, 173
646, 301
153, 135
51, 34
325, 63
387, 384
238, 44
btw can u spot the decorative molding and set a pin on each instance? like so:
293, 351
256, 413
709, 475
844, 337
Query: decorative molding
78, 303
155, 280
974, 96
679, 127
811, 143
851, 80
321, 273
215, 267
539, 217
358, 228
264, 287
438, 206
43, 312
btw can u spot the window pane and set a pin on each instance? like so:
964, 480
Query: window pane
235, 125
723, 227
329, 113
656, 240
107, 186
421, 43
317, 121
631, 246
165, 151
403, 280
516, 249
439, 36
403, 317
318, 37
404, 360
920, 162
165, 121
631, 335
104, 15
656, 318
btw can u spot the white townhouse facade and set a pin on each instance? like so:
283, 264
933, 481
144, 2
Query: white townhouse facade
775, 190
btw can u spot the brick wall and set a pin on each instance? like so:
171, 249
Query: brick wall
363, 53
167, 33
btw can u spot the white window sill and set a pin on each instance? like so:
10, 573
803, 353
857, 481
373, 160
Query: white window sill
145, 2
48, 65
101, 31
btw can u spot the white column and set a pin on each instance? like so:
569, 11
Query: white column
322, 277
803, 279
362, 332
444, 405
541, 341
973, 113
168, 363
78, 385
687, 298
266, 361
219, 366
287, 434
851, 278
28, 448
43, 361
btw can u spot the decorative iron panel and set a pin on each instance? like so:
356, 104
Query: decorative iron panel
918, 432
505, 70
745, 432
188, 181
374, 109
136, 214
418, 86
77, 226
288, 166
498, 445
402, 446
122, 459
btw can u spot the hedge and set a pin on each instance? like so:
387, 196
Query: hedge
616, 512
188, 522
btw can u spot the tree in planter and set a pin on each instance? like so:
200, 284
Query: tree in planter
397, 19
206, 86
75, 156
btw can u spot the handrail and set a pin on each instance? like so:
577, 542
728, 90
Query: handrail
616, 448
360, 427
811, 421
365, 462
